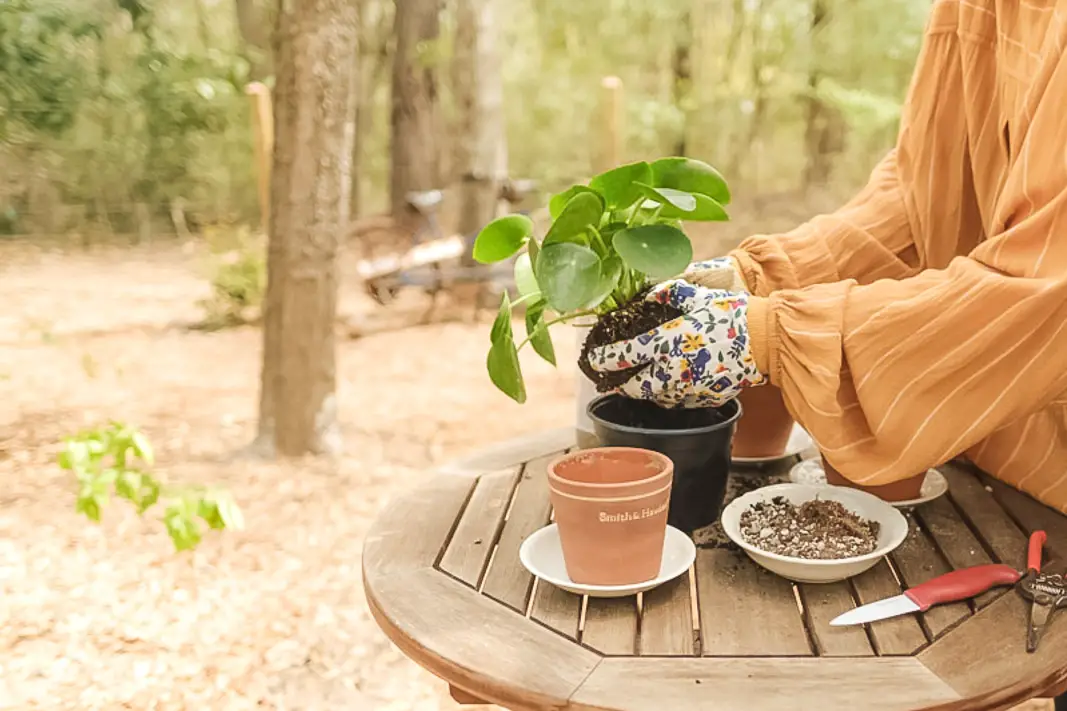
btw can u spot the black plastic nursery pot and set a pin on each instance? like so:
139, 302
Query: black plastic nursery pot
697, 441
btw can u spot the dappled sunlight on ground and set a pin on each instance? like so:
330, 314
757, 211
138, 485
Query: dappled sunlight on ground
101, 616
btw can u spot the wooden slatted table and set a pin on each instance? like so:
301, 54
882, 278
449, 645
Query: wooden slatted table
444, 581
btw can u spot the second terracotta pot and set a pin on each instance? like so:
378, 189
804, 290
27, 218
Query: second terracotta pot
764, 428
611, 508
905, 490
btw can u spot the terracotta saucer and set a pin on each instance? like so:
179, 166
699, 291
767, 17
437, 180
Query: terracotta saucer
810, 472
542, 555
799, 440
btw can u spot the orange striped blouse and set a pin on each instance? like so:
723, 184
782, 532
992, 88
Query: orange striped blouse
928, 317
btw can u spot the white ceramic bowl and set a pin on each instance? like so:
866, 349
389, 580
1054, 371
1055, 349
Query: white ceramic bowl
892, 531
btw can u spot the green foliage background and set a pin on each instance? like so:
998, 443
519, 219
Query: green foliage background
107, 104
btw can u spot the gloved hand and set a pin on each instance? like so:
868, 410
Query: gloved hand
701, 359
719, 273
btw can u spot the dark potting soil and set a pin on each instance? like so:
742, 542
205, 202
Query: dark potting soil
648, 415
632, 319
816, 529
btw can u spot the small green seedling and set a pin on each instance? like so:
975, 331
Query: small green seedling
608, 241
116, 459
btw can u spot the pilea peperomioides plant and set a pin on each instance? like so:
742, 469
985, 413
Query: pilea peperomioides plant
608, 243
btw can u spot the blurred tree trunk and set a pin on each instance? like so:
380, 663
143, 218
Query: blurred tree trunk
481, 149
415, 122
356, 114
682, 71
743, 148
372, 60
824, 126
253, 22
310, 182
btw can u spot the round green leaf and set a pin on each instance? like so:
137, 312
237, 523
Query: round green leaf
691, 175
525, 281
538, 333
706, 210
502, 238
669, 197
568, 274
618, 184
503, 366
610, 272
581, 212
230, 512
558, 201
501, 329
660, 251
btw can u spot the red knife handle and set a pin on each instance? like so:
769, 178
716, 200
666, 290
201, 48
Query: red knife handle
961, 584
1033, 553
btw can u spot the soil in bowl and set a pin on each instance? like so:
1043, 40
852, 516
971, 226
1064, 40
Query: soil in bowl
631, 319
814, 530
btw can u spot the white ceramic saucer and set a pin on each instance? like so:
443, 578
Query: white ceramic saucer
542, 555
799, 440
810, 472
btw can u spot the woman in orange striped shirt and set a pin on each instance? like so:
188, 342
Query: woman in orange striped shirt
927, 318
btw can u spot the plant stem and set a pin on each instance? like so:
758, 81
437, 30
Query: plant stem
533, 295
598, 242
561, 319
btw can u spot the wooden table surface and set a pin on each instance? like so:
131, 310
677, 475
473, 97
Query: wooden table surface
443, 579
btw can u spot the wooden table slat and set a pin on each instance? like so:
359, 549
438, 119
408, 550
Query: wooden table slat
918, 561
478, 528
1001, 534
746, 610
760, 684
823, 603
391, 547
956, 541
557, 609
443, 624
1032, 516
896, 636
667, 620
611, 625
507, 581
997, 636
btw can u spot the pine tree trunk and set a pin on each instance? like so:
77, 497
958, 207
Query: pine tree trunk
309, 207
481, 150
682, 75
415, 122
253, 24
824, 126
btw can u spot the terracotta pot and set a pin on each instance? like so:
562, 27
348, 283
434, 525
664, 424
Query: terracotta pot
904, 490
764, 429
611, 508
697, 441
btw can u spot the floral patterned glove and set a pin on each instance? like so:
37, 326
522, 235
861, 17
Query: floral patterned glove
701, 359
720, 273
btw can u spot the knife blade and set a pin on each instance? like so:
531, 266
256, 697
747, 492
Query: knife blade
951, 587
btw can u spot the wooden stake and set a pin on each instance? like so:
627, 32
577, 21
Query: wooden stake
611, 124
263, 138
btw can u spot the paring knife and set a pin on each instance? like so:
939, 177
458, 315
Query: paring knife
950, 587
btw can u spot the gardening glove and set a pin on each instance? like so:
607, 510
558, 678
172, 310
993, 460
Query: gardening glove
719, 273
700, 359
